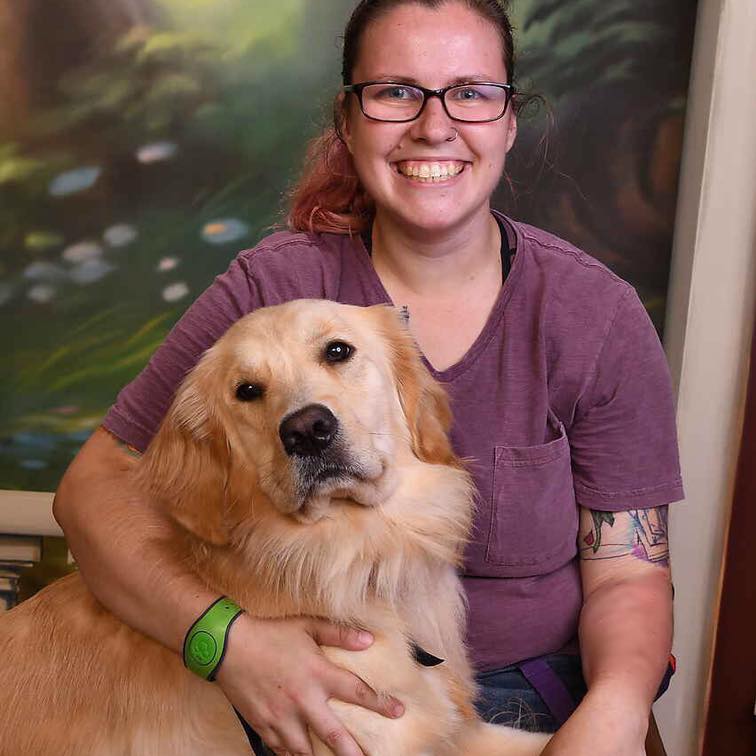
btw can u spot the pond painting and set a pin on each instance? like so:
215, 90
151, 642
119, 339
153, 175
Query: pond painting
143, 143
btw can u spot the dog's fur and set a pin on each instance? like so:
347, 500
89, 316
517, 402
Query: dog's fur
369, 533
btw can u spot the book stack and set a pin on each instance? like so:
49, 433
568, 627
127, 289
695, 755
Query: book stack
17, 553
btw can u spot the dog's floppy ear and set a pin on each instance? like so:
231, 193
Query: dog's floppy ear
186, 466
425, 403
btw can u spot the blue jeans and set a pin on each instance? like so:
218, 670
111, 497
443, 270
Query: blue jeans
507, 698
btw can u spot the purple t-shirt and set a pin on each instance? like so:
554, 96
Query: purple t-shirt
564, 399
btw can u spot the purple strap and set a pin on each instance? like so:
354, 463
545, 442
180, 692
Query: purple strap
550, 688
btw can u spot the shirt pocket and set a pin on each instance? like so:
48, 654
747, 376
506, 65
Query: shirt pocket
534, 518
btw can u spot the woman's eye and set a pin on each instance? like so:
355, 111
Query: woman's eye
248, 392
338, 351
468, 94
395, 93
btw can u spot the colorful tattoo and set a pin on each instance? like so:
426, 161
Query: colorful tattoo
593, 539
651, 530
641, 533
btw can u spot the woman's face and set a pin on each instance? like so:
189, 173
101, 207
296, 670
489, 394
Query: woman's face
431, 48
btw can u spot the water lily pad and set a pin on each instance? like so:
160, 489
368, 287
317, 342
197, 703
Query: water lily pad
90, 271
224, 230
120, 235
38, 441
77, 180
175, 291
44, 271
33, 464
14, 167
42, 293
65, 409
38, 241
82, 251
166, 264
156, 152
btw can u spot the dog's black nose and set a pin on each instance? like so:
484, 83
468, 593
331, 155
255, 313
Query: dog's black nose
309, 431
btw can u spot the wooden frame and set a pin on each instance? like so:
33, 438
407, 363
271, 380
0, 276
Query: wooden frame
731, 718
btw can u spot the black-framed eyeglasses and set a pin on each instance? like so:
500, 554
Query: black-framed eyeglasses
397, 102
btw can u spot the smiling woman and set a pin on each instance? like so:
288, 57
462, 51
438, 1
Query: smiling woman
553, 370
432, 136
388, 69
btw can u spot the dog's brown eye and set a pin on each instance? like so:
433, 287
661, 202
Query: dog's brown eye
248, 392
338, 351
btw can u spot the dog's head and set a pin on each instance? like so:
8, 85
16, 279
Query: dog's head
297, 407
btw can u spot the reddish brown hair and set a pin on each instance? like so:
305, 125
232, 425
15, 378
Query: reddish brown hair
329, 197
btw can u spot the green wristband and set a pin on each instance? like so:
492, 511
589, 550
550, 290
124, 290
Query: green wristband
205, 641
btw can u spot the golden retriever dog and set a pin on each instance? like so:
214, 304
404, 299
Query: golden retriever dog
306, 463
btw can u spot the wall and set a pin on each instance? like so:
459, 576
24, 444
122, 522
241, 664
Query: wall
708, 330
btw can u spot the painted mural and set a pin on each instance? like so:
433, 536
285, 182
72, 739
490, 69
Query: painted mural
144, 142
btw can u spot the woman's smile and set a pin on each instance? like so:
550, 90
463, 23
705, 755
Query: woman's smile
430, 172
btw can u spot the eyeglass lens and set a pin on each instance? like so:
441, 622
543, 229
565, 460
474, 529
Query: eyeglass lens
400, 102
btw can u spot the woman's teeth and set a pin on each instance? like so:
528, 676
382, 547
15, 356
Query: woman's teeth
430, 172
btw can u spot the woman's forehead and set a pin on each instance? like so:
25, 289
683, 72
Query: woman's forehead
431, 46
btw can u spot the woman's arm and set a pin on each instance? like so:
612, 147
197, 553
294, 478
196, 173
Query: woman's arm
625, 630
116, 537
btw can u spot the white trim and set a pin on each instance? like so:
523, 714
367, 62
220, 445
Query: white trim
708, 334
28, 513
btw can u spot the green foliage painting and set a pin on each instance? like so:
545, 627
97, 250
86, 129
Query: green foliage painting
143, 143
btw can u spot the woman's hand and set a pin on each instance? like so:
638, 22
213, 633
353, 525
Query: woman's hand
276, 675
603, 725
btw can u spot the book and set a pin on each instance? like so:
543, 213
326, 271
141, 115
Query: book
8, 591
8, 584
12, 570
16, 548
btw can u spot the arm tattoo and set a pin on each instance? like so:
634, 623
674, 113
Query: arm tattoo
593, 539
641, 533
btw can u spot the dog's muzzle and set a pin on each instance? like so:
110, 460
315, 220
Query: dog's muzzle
320, 460
308, 432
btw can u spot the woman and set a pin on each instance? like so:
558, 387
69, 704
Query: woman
558, 385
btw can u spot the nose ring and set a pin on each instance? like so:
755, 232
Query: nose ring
454, 136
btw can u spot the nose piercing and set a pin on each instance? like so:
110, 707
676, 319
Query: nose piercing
452, 138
